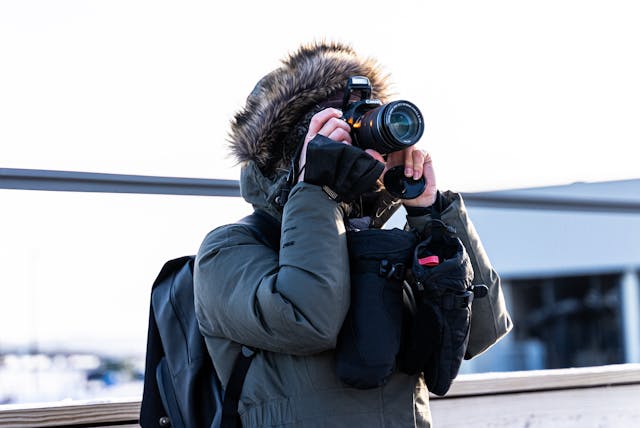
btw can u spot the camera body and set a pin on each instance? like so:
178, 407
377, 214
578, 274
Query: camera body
385, 128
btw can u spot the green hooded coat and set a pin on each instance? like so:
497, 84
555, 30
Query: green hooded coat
290, 303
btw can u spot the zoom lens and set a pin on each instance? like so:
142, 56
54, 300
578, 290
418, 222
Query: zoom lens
389, 127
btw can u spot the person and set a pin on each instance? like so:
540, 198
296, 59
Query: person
290, 303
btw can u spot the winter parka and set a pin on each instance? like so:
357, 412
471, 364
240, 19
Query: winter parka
290, 304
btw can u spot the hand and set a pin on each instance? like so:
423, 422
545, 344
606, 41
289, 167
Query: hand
417, 163
327, 122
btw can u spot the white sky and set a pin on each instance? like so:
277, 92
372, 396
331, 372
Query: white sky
515, 94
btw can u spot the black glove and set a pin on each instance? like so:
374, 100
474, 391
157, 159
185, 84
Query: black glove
346, 170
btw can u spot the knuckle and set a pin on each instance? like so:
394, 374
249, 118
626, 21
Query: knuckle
334, 121
338, 135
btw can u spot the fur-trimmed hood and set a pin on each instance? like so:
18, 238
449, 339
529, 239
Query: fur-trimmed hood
274, 120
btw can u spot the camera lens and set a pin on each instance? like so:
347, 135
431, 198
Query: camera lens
389, 127
403, 123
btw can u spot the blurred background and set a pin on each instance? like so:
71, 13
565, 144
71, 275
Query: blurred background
531, 112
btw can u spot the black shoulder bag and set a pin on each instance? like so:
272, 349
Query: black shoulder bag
439, 300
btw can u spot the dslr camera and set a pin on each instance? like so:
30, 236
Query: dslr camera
385, 128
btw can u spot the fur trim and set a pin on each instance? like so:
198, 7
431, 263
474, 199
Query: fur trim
267, 130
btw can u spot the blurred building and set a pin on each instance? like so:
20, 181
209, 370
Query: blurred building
569, 259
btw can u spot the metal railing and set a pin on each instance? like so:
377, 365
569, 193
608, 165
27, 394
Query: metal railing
73, 181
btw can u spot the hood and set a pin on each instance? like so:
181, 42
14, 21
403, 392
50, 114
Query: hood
260, 191
274, 120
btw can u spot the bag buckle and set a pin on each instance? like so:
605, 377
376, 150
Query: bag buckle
479, 290
389, 270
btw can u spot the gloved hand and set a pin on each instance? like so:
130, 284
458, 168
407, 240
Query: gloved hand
346, 170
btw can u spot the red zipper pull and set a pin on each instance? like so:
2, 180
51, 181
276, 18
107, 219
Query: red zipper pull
429, 261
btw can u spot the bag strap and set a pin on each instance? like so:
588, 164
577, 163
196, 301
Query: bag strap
437, 225
267, 230
230, 416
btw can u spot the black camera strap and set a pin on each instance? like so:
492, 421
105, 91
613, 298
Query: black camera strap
437, 226
291, 179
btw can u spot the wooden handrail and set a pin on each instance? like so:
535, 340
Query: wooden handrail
543, 380
485, 394
120, 412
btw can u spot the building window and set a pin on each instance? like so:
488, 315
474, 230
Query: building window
576, 320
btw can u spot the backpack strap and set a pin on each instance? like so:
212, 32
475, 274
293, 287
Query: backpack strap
267, 230
230, 416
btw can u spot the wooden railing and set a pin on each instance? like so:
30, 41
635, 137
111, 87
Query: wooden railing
115, 413
606, 396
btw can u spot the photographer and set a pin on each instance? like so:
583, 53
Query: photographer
301, 166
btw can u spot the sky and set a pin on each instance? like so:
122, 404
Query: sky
514, 94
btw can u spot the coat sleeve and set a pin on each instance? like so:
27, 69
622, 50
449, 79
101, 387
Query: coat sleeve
292, 301
490, 320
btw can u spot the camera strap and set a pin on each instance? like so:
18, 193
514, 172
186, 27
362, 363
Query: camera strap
437, 225
291, 179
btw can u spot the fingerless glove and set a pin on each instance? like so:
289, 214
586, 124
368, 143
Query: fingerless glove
347, 170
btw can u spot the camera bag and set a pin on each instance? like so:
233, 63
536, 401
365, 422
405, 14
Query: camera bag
371, 334
438, 310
